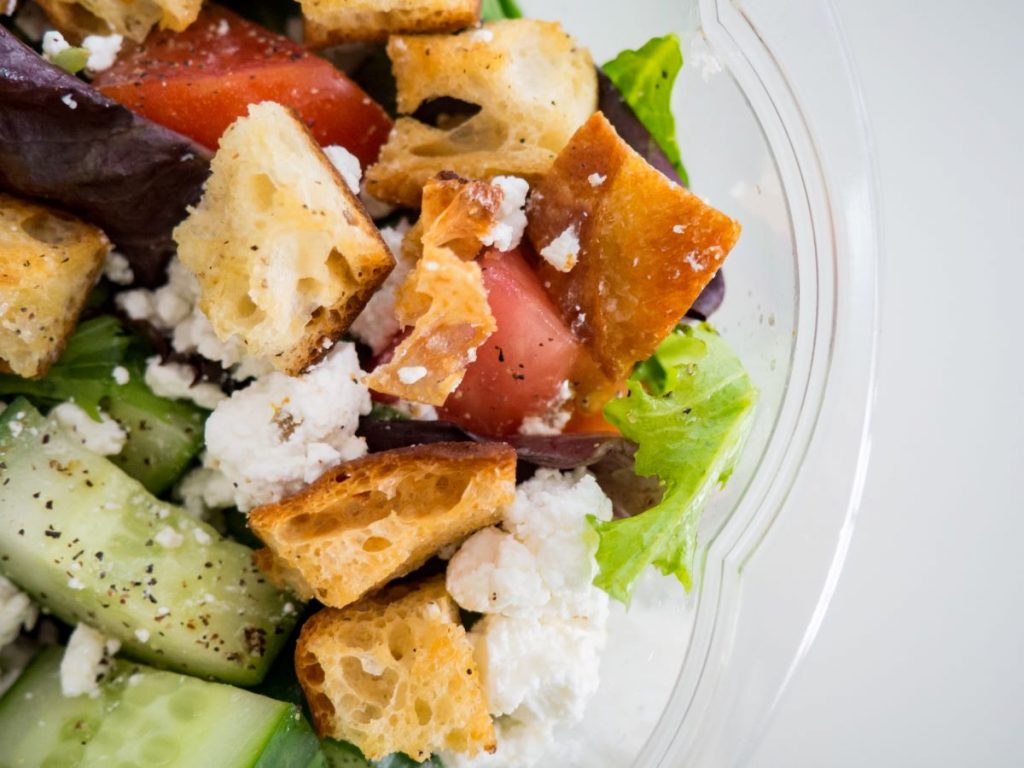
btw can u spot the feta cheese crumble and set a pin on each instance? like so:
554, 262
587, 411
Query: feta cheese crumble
281, 432
17, 612
203, 490
175, 382
347, 166
103, 50
168, 538
544, 627
105, 437
172, 310
597, 179
510, 221
87, 659
117, 269
410, 374
69, 101
563, 252
121, 375
377, 325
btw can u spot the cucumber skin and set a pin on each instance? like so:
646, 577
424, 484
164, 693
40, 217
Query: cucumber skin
41, 729
50, 476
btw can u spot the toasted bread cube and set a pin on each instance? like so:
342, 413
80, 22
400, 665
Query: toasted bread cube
328, 22
443, 298
133, 19
368, 521
646, 247
285, 254
533, 83
395, 673
49, 262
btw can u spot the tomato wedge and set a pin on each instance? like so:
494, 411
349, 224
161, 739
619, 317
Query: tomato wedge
199, 81
519, 370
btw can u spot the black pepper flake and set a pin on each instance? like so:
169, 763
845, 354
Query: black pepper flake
52, 533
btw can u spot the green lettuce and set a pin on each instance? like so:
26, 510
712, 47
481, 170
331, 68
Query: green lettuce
494, 10
689, 410
645, 78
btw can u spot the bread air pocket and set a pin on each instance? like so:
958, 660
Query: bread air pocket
531, 85
285, 254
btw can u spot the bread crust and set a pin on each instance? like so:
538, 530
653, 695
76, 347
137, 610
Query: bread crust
647, 248
395, 673
330, 22
49, 261
134, 20
368, 521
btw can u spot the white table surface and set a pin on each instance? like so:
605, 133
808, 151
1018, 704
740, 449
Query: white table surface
920, 661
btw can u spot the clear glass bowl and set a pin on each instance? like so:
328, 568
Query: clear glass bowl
773, 132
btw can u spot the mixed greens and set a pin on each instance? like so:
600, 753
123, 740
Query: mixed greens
105, 556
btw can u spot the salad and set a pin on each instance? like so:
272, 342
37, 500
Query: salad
344, 382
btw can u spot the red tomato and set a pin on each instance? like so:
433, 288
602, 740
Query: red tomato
519, 370
197, 82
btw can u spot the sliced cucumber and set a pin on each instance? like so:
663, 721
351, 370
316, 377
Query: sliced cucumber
144, 717
90, 544
163, 435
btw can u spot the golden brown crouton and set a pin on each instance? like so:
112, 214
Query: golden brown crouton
49, 262
285, 254
131, 18
344, 21
646, 249
533, 83
443, 298
368, 521
395, 673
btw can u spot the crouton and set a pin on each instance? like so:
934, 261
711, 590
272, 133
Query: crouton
49, 262
534, 86
132, 18
395, 673
443, 298
368, 521
285, 254
328, 22
646, 247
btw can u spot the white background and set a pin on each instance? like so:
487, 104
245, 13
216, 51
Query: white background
920, 660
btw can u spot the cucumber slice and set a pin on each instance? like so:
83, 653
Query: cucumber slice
163, 435
88, 542
144, 717
39, 727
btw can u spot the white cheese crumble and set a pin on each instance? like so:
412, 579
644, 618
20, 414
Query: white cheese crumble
510, 221
117, 269
121, 375
223, 27
282, 432
563, 252
69, 101
202, 537
17, 612
142, 635
544, 625
103, 50
168, 538
555, 419
410, 374
597, 179
203, 490
377, 325
105, 437
347, 166
418, 411
54, 44
175, 381
86, 660
172, 310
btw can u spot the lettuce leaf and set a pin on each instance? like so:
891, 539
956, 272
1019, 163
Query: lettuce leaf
689, 411
494, 10
645, 78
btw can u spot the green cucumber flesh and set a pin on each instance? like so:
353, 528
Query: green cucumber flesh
83, 539
144, 717
164, 436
